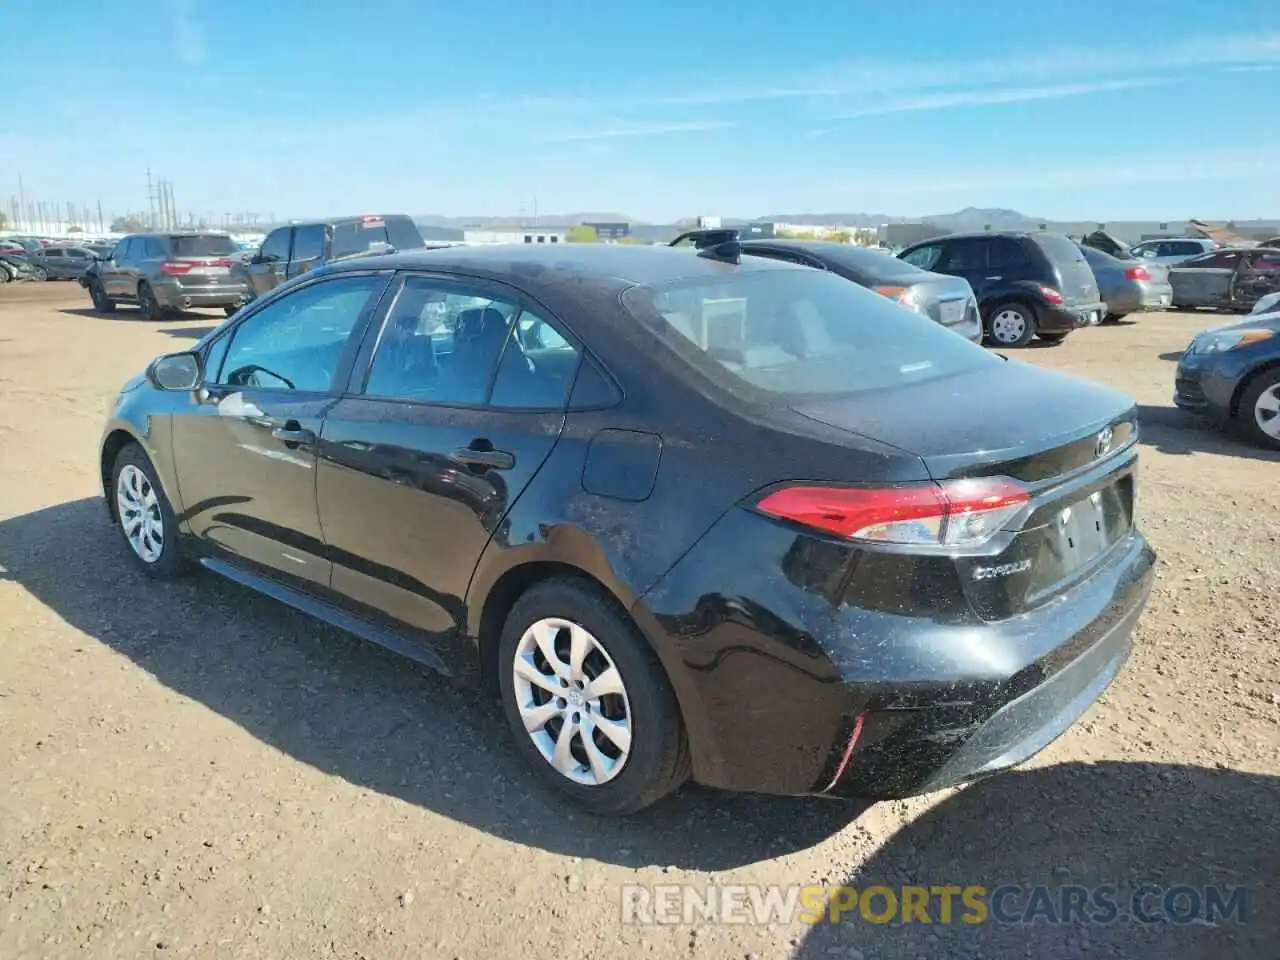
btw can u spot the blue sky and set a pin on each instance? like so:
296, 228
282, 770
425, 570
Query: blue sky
1089, 109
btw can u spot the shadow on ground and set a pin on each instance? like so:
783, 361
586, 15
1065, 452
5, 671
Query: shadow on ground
360, 713
1175, 431
190, 333
1121, 825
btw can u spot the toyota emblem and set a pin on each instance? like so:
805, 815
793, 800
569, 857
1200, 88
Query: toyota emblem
1102, 446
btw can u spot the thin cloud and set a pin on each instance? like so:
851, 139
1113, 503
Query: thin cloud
999, 95
1255, 68
188, 34
638, 130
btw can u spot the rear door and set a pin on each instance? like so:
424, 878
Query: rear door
268, 267
1205, 281
421, 460
1259, 275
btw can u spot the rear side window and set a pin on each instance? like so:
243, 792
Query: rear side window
357, 236
153, 249
966, 255
202, 245
1057, 248
308, 242
1270, 260
799, 333
1007, 252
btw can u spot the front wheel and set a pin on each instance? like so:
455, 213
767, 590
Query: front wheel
101, 302
587, 700
1052, 337
1011, 324
39, 273
230, 311
144, 515
1260, 410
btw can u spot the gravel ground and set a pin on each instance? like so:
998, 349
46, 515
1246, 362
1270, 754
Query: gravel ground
189, 769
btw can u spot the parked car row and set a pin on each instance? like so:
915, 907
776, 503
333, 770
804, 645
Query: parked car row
162, 272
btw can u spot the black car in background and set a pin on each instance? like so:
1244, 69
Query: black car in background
1233, 278
1028, 285
943, 299
1232, 374
289, 251
676, 536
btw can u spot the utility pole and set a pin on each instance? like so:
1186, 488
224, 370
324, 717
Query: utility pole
151, 200
22, 205
102, 224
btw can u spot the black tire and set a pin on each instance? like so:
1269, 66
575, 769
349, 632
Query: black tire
101, 302
658, 761
1111, 318
1028, 315
1264, 383
148, 306
39, 273
230, 311
170, 562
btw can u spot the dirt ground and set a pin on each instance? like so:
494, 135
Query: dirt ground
188, 769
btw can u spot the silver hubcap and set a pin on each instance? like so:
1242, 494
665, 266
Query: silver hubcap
1008, 326
1266, 412
573, 702
139, 511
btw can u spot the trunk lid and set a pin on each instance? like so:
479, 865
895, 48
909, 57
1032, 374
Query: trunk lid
1077, 282
1070, 442
948, 301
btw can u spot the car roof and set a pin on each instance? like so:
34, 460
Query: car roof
353, 218
537, 265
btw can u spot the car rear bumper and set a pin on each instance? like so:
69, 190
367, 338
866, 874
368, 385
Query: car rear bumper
788, 689
227, 293
1053, 319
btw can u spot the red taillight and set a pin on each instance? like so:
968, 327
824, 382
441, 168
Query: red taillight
953, 513
183, 267
175, 269
1053, 296
1137, 273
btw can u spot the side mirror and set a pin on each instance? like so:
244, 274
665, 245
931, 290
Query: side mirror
176, 371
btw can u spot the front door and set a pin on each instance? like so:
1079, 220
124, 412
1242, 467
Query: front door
112, 271
268, 266
245, 449
967, 258
1205, 281
419, 466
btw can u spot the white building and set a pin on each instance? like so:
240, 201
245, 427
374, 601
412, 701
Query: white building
515, 235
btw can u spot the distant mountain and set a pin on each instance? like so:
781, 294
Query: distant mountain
970, 218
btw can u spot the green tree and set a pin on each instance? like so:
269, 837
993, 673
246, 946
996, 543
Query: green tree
127, 225
582, 234
839, 236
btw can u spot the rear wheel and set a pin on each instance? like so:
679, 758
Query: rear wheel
101, 302
39, 273
1011, 324
1111, 318
1260, 409
230, 311
587, 701
148, 306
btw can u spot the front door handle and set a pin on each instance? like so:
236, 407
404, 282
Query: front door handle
293, 434
996, 278
481, 454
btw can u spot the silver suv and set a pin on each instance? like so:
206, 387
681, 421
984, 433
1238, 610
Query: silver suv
161, 272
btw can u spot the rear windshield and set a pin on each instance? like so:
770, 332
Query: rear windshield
356, 236
206, 245
1057, 248
800, 333
873, 263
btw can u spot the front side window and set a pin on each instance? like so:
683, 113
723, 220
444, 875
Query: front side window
799, 333
276, 246
967, 255
297, 341
926, 257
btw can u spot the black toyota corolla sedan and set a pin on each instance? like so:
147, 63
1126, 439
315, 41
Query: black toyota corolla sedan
703, 516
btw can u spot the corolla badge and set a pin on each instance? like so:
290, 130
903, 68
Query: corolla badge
1102, 445
1001, 570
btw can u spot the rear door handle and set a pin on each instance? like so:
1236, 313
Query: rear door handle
293, 434
996, 278
481, 454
